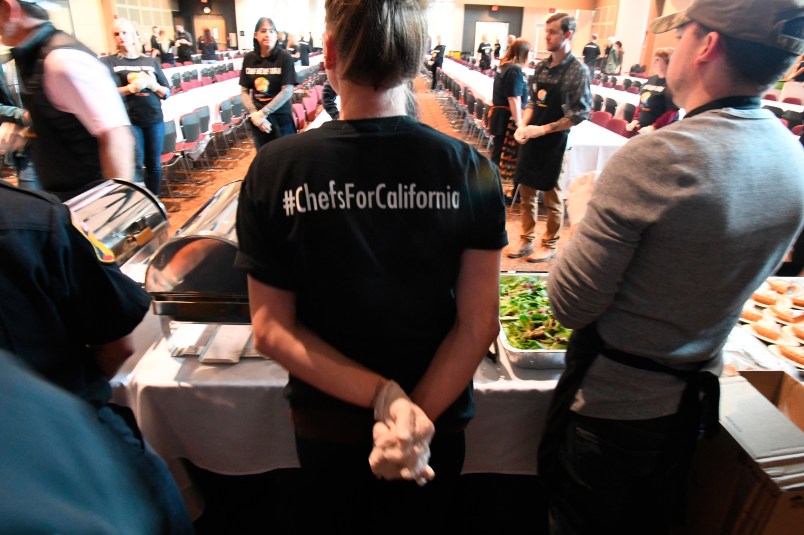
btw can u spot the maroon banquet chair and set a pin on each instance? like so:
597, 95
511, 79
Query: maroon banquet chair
617, 126
600, 118
769, 96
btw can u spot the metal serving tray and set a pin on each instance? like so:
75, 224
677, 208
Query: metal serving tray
548, 359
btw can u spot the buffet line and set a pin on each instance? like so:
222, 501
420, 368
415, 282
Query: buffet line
201, 392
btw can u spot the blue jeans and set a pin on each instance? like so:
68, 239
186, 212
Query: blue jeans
26, 173
148, 153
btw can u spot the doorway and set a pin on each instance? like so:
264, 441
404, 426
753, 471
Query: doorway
216, 24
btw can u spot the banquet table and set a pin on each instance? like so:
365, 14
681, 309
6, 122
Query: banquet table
234, 420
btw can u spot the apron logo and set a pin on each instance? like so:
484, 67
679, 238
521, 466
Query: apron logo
102, 253
261, 84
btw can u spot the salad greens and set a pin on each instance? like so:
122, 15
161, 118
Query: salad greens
526, 317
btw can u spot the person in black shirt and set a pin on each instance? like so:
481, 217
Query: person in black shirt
207, 46
656, 108
508, 98
436, 61
330, 105
142, 85
591, 53
184, 44
267, 79
410, 241
484, 54
304, 51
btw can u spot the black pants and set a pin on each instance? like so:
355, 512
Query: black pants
346, 497
434, 69
625, 477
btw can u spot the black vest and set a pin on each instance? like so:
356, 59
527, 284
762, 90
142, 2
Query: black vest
64, 152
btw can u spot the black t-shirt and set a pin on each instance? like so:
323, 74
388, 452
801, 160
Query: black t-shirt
208, 50
184, 52
437, 55
366, 221
509, 82
56, 294
484, 49
304, 53
266, 76
654, 100
144, 107
591, 52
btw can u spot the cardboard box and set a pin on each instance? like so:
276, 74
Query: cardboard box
782, 390
750, 478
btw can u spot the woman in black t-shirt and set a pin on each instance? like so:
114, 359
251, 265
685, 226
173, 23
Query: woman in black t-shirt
372, 246
207, 46
656, 108
267, 79
142, 86
508, 99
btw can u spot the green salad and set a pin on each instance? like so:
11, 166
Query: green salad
526, 317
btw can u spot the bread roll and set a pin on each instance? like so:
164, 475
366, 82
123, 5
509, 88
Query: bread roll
798, 330
795, 354
769, 330
790, 315
766, 298
751, 314
779, 285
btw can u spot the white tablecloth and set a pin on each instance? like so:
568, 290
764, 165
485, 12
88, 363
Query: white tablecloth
589, 148
234, 419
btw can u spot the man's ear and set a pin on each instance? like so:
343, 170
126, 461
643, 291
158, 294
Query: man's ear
709, 48
330, 53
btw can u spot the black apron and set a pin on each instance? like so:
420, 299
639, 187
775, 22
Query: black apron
698, 408
540, 159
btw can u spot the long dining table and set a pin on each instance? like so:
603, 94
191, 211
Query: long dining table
233, 419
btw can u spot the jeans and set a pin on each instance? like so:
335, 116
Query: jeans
618, 476
26, 173
148, 153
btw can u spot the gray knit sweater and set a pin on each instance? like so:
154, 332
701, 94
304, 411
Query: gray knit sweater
683, 225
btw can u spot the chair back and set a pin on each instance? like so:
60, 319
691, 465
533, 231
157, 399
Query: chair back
611, 106
794, 118
203, 118
175, 80
310, 106
617, 126
298, 116
225, 109
186, 76
628, 112
600, 118
169, 139
319, 91
637, 84
191, 127
237, 106
792, 100
597, 103
186, 86
627, 83
778, 112
798, 129
633, 89
769, 96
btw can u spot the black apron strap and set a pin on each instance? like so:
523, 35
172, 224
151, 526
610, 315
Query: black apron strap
701, 398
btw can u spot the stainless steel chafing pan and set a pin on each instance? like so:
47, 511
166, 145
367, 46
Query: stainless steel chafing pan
192, 277
126, 218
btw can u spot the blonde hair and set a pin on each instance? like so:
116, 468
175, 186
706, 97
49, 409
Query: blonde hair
378, 42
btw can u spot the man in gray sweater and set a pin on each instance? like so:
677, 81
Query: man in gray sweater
681, 228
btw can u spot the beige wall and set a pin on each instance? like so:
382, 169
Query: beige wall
88, 23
